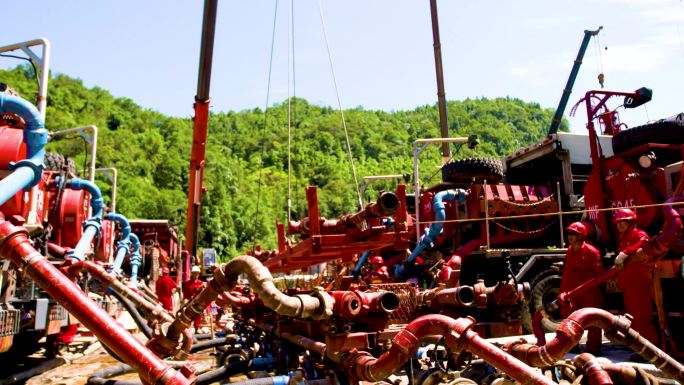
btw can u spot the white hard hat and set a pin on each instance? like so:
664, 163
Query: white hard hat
195, 269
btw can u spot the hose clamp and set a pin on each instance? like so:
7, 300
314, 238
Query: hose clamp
95, 222
327, 302
35, 166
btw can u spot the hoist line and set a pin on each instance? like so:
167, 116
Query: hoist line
339, 103
289, 112
294, 92
263, 129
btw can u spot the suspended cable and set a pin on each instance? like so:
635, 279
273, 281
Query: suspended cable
599, 62
339, 103
289, 112
294, 95
265, 124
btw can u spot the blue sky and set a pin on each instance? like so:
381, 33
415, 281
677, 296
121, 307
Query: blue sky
382, 50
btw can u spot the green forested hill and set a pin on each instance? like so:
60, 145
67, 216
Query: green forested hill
151, 152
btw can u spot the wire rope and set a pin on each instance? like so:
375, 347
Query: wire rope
294, 99
339, 103
265, 124
289, 111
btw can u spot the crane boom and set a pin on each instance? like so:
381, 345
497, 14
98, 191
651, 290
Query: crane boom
200, 126
558, 116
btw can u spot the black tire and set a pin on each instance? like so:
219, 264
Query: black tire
545, 287
477, 169
56, 162
53, 162
664, 132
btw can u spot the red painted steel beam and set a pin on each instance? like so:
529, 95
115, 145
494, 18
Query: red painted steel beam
15, 246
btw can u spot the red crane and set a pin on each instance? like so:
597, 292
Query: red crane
201, 123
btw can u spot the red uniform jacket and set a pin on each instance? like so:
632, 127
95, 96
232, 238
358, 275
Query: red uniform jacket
164, 287
635, 282
380, 275
579, 267
191, 287
630, 242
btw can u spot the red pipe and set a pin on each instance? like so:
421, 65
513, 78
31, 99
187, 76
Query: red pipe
378, 302
14, 245
616, 329
347, 304
351, 304
458, 337
592, 369
57, 250
306, 343
463, 296
155, 312
318, 305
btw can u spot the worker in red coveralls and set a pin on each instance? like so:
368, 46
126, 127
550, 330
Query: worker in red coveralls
582, 263
635, 277
378, 272
191, 288
164, 288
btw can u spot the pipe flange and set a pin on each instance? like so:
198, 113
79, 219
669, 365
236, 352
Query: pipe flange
8, 230
327, 302
35, 166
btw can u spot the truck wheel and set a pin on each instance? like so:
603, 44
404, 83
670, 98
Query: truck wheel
54, 162
479, 169
545, 288
657, 132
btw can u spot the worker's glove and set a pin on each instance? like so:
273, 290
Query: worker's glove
620, 260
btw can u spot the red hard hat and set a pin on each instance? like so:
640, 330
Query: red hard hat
624, 215
577, 228
377, 259
165, 270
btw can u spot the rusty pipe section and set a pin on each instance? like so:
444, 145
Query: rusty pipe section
458, 336
616, 329
354, 303
463, 296
304, 342
15, 246
595, 373
318, 305
386, 205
